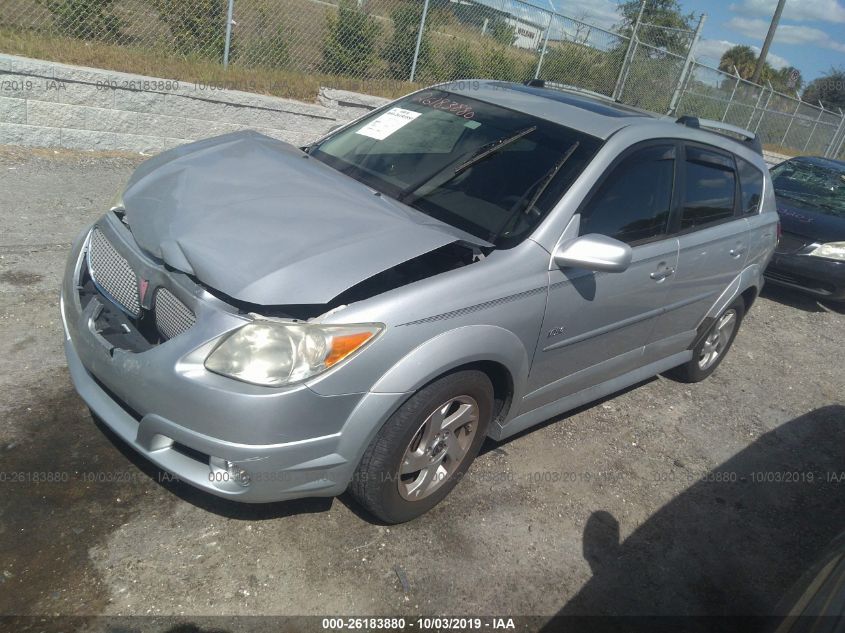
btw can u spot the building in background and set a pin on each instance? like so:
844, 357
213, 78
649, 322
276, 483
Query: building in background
502, 25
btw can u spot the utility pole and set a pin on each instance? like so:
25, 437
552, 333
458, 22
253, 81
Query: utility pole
773, 27
419, 42
228, 45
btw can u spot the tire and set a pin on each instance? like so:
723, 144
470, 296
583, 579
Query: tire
440, 430
718, 339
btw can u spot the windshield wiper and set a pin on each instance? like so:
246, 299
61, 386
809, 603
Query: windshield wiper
485, 151
442, 176
539, 188
544, 184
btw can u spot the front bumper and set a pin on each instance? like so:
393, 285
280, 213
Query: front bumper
817, 276
292, 442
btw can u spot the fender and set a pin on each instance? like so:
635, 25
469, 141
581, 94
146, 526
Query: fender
427, 361
750, 277
451, 349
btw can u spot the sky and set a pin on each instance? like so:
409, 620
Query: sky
811, 35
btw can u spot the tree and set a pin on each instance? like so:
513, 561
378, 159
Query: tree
744, 59
788, 79
462, 63
350, 44
502, 32
741, 57
829, 89
198, 27
268, 47
506, 64
85, 19
659, 13
399, 53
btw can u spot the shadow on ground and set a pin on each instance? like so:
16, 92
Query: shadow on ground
207, 501
734, 541
258, 512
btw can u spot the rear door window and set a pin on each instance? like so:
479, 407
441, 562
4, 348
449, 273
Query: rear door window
751, 185
709, 188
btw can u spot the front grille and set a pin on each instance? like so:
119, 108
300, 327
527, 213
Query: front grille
791, 243
112, 273
172, 316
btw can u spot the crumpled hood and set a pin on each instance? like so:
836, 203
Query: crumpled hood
260, 221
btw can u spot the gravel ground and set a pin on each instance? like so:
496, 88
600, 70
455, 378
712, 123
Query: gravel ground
647, 502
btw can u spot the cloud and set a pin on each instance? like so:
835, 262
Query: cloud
776, 61
797, 10
711, 51
786, 34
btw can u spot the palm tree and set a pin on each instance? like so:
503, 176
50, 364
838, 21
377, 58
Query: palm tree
740, 56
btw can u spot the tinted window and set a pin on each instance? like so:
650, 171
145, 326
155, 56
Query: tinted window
634, 202
751, 184
488, 170
710, 188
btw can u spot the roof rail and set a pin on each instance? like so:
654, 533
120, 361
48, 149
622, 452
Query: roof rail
724, 129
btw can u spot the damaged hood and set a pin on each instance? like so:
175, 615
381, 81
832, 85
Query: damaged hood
262, 222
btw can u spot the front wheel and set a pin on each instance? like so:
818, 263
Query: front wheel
424, 449
712, 348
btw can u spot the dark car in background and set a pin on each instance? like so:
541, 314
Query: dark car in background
810, 255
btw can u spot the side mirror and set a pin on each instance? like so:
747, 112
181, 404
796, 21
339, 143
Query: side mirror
594, 252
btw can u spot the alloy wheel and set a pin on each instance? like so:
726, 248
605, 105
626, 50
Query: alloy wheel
438, 447
717, 340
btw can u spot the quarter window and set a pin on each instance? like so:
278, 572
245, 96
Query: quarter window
633, 204
710, 188
751, 184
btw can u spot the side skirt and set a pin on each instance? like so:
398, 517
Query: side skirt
530, 418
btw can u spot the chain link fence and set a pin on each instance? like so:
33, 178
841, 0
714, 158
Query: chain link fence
781, 121
390, 47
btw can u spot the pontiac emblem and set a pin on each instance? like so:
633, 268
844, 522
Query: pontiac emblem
143, 284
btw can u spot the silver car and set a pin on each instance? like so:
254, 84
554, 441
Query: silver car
268, 322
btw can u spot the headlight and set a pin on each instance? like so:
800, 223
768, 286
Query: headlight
274, 353
833, 250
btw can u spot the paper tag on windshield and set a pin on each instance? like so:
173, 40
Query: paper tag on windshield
385, 125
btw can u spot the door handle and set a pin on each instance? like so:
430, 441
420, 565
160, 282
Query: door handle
660, 275
736, 252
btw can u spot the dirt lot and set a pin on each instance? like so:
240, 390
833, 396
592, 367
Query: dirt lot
648, 502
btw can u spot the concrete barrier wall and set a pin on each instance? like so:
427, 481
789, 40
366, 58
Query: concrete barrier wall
773, 158
45, 104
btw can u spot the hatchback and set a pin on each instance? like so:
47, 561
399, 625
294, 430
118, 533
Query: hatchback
268, 322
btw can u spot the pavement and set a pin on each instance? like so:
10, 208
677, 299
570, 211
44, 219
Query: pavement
670, 499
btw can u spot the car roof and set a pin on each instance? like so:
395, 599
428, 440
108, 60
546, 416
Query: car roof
581, 111
591, 113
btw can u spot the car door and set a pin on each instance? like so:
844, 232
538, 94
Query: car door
596, 324
713, 244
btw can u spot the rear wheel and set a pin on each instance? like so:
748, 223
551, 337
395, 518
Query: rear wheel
424, 449
711, 350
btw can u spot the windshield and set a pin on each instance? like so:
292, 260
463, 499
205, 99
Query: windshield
490, 171
816, 187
